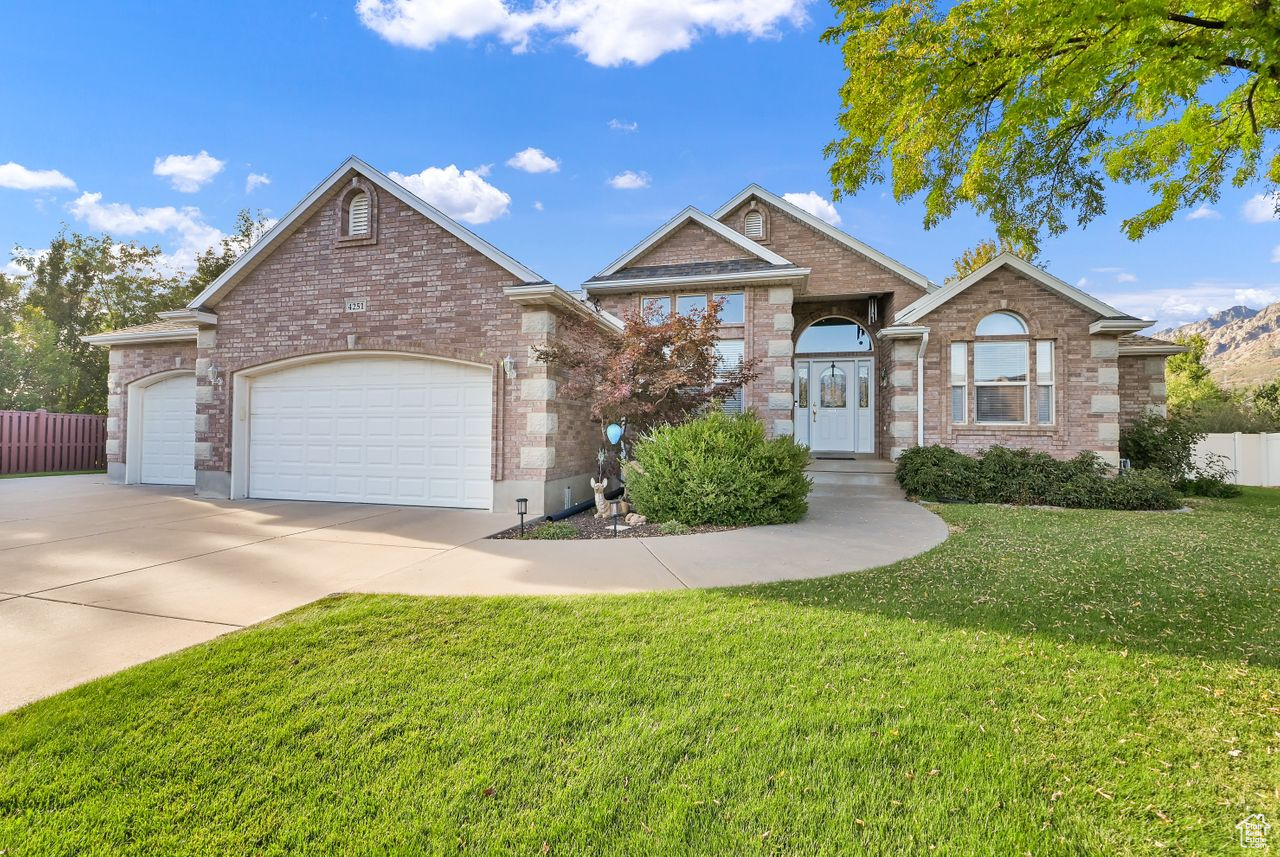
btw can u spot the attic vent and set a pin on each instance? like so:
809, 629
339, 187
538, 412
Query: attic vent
358, 215
754, 224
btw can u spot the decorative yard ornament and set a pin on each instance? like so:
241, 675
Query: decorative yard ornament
602, 505
613, 432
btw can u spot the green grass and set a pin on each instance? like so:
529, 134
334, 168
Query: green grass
51, 473
1045, 682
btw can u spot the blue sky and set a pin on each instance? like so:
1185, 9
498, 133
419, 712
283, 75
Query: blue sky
121, 101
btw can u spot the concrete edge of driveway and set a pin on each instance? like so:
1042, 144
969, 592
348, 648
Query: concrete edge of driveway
831, 539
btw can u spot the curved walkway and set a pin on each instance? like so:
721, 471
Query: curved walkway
856, 520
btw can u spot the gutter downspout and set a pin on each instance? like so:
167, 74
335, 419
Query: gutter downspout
924, 343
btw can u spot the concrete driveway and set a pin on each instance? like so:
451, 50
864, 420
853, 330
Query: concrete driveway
96, 577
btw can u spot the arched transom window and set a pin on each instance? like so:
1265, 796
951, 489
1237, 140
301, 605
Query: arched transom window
833, 336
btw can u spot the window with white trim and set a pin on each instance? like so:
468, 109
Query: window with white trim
1000, 381
729, 354
655, 310
687, 305
358, 215
1001, 324
732, 307
1044, 383
959, 382
753, 225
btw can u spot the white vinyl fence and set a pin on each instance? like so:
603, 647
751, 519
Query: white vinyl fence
1254, 457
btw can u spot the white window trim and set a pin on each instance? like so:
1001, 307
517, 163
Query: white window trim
1025, 385
959, 379
706, 301
1052, 384
715, 296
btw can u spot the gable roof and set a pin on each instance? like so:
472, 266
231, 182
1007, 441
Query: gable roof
312, 202
920, 308
840, 237
692, 215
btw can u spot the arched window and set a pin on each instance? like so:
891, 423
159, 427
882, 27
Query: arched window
753, 225
1002, 324
358, 215
833, 336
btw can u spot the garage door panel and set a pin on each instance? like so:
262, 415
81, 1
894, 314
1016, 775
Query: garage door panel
168, 432
379, 430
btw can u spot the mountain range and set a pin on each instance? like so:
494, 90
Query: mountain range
1242, 344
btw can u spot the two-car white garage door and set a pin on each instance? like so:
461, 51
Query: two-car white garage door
378, 429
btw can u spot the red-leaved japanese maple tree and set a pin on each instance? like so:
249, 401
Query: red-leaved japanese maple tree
658, 370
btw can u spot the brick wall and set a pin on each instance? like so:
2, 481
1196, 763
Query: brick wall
692, 242
1087, 377
428, 293
1142, 387
130, 363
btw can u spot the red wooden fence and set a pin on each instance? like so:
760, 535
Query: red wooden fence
41, 442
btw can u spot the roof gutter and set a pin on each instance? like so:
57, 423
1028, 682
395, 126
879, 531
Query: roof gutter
554, 296
107, 339
640, 284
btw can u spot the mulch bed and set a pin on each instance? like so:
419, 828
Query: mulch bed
591, 527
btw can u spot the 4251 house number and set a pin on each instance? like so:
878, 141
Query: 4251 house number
359, 305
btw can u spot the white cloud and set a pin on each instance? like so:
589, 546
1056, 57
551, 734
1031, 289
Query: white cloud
627, 127
1261, 208
18, 177
255, 181
1275, 253
606, 32
1082, 283
537, 205
1126, 277
1204, 212
820, 207
188, 173
186, 225
463, 194
629, 180
533, 160
1193, 302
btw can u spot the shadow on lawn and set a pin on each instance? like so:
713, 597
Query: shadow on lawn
1199, 584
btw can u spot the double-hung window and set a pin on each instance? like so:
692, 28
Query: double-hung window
1000, 381
729, 354
959, 382
1044, 382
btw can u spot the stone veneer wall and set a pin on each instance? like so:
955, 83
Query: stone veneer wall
428, 292
127, 364
1142, 387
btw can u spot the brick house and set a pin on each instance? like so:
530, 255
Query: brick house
860, 355
371, 349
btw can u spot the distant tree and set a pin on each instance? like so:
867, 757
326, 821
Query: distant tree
657, 371
986, 250
1187, 380
212, 262
1024, 110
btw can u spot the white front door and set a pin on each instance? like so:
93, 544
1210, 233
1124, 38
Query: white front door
371, 429
834, 405
168, 446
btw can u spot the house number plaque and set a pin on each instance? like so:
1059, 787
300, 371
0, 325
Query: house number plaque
357, 305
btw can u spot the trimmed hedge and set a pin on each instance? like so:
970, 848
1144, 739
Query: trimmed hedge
1026, 478
719, 469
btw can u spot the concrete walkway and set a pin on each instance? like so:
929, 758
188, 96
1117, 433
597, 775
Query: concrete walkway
97, 577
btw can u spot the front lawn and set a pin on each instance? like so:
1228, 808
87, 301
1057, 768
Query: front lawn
1045, 682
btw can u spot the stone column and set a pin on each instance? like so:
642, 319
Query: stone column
1104, 398
903, 409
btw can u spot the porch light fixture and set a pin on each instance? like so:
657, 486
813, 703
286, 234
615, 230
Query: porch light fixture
214, 374
522, 508
509, 367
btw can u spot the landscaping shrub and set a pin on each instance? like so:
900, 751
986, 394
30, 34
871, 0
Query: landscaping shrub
674, 528
1023, 477
552, 530
1167, 445
719, 469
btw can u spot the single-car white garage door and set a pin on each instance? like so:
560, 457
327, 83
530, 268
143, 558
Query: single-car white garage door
396, 430
168, 432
